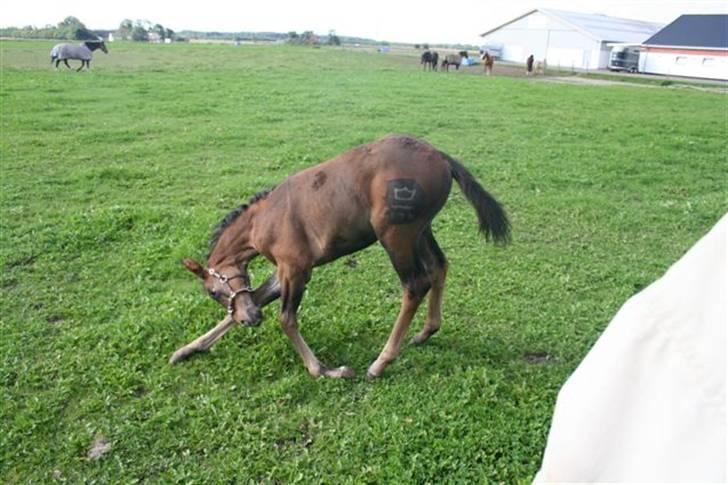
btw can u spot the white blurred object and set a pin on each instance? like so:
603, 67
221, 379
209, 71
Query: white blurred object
648, 402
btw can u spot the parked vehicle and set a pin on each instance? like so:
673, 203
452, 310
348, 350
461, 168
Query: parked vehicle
624, 58
495, 50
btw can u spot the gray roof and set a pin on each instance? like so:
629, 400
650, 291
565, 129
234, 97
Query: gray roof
597, 26
702, 31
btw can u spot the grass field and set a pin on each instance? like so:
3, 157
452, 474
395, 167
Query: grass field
110, 177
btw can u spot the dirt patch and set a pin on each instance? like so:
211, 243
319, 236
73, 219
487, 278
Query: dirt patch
591, 82
99, 448
605, 82
538, 357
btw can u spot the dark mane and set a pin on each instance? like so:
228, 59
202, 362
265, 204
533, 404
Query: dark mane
92, 45
231, 217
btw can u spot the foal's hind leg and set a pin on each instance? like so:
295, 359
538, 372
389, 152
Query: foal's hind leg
400, 243
436, 267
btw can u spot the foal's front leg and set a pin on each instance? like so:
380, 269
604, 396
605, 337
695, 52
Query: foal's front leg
267, 292
203, 343
293, 284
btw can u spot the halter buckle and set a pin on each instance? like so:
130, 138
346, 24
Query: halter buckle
225, 280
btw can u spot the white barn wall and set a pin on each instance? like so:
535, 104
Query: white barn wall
546, 38
689, 65
600, 56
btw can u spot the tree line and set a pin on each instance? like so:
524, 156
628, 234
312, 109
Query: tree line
71, 28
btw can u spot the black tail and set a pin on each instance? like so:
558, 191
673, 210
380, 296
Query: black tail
491, 216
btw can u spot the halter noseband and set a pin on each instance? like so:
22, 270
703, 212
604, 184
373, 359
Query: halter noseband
225, 280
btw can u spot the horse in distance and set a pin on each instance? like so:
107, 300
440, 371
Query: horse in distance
81, 52
387, 191
434, 59
425, 59
454, 60
428, 60
487, 63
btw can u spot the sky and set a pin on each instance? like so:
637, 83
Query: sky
452, 21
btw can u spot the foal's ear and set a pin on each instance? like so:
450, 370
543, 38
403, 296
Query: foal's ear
195, 267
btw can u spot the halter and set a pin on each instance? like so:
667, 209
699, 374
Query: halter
225, 280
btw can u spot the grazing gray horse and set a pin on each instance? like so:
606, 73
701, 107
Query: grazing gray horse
81, 52
454, 60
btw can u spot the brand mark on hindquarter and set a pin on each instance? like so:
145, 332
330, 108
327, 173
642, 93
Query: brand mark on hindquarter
404, 197
404, 194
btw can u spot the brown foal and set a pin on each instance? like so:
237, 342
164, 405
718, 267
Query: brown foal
388, 190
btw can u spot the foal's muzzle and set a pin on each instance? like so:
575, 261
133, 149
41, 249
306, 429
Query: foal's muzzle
254, 319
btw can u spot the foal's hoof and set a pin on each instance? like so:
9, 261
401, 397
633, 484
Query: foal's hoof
375, 371
339, 372
371, 376
178, 356
419, 339
422, 337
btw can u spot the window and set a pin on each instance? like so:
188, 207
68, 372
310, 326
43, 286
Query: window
709, 62
681, 60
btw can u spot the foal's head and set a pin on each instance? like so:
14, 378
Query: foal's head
229, 285
226, 277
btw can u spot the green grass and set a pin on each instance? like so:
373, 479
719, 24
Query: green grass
111, 177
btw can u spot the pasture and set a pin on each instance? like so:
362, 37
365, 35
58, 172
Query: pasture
111, 177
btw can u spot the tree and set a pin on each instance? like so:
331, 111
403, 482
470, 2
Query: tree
72, 28
70, 22
139, 33
308, 37
159, 30
333, 38
125, 28
145, 24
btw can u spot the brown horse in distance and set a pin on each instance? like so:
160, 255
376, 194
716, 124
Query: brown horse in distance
388, 190
487, 63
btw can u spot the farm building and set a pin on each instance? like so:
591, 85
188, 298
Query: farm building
692, 46
566, 39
